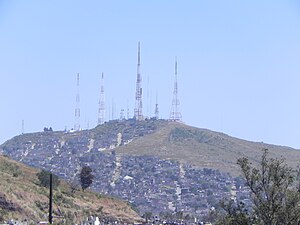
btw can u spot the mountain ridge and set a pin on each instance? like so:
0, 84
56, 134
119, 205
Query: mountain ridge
202, 147
170, 140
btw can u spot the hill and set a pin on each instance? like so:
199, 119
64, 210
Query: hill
156, 165
204, 148
22, 198
169, 140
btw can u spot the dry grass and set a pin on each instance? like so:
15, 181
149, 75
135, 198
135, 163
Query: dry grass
23, 198
204, 148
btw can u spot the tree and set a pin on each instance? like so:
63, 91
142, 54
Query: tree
86, 177
275, 192
236, 214
44, 179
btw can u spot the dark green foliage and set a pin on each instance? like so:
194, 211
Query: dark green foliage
3, 213
44, 179
129, 129
86, 177
43, 206
275, 193
11, 168
236, 214
178, 134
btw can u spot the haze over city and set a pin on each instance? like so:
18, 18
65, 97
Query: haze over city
238, 69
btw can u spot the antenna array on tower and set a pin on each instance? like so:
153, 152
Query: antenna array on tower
175, 114
22, 127
138, 114
122, 115
77, 109
101, 110
156, 112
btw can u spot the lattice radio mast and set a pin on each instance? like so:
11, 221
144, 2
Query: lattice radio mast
156, 109
22, 126
175, 114
101, 110
127, 111
138, 114
77, 109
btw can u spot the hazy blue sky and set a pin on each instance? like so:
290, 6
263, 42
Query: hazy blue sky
238, 63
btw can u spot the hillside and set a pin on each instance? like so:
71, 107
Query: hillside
22, 198
168, 140
156, 165
204, 148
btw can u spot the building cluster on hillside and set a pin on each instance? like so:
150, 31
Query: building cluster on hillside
162, 186
148, 183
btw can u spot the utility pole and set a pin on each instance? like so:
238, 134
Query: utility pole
50, 200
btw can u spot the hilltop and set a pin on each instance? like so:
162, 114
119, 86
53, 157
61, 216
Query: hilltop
21, 197
204, 148
168, 140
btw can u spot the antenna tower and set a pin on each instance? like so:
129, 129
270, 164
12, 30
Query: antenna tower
112, 109
148, 100
156, 109
122, 116
77, 109
138, 115
175, 114
22, 126
101, 110
127, 117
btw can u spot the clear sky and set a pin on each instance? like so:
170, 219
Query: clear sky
238, 63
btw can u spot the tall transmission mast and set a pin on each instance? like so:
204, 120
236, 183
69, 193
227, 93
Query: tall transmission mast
101, 110
138, 114
122, 115
175, 114
148, 100
22, 126
156, 109
113, 109
77, 109
127, 111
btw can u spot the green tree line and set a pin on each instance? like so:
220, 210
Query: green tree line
274, 191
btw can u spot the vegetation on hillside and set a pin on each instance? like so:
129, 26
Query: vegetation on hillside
275, 194
23, 198
105, 134
113, 149
44, 179
169, 140
203, 148
86, 177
